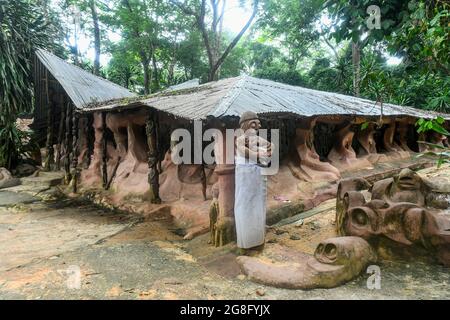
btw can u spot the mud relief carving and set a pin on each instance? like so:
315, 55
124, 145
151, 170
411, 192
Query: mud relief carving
335, 261
402, 132
342, 154
404, 209
305, 163
391, 147
368, 145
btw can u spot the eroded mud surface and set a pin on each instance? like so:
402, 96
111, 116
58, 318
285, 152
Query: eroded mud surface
123, 256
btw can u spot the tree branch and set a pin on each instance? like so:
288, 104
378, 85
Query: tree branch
200, 19
237, 38
331, 47
183, 8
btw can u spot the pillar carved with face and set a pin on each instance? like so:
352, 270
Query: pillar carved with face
403, 127
392, 148
368, 148
305, 163
342, 154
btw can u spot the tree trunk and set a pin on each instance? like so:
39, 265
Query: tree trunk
211, 38
155, 71
147, 80
215, 65
96, 37
356, 60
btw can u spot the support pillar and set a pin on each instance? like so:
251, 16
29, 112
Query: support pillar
153, 173
68, 144
223, 229
104, 153
49, 159
75, 145
60, 138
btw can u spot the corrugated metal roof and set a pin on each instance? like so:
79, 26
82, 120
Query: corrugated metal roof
83, 87
185, 85
233, 96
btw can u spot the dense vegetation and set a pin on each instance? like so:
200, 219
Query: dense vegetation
152, 44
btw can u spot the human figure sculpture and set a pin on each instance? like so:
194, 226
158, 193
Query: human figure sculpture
335, 261
368, 145
404, 209
437, 139
392, 148
403, 132
250, 193
305, 163
342, 154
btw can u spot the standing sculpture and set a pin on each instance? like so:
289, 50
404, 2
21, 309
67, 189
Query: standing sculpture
250, 194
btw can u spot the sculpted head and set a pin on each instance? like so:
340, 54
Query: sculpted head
249, 122
344, 251
408, 180
401, 222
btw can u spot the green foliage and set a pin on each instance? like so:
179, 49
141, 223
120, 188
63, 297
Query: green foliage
433, 124
443, 153
14, 144
291, 41
23, 28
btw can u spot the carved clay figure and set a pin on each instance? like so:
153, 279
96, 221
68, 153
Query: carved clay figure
403, 209
251, 184
224, 230
335, 261
407, 186
403, 132
437, 139
83, 142
342, 155
92, 176
306, 164
368, 145
391, 147
184, 181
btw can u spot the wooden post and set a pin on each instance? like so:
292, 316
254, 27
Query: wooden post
153, 173
104, 153
60, 138
90, 140
75, 140
49, 159
204, 182
68, 144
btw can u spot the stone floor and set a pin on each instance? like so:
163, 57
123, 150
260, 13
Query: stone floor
45, 245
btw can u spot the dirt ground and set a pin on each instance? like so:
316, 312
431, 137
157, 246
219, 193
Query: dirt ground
64, 249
